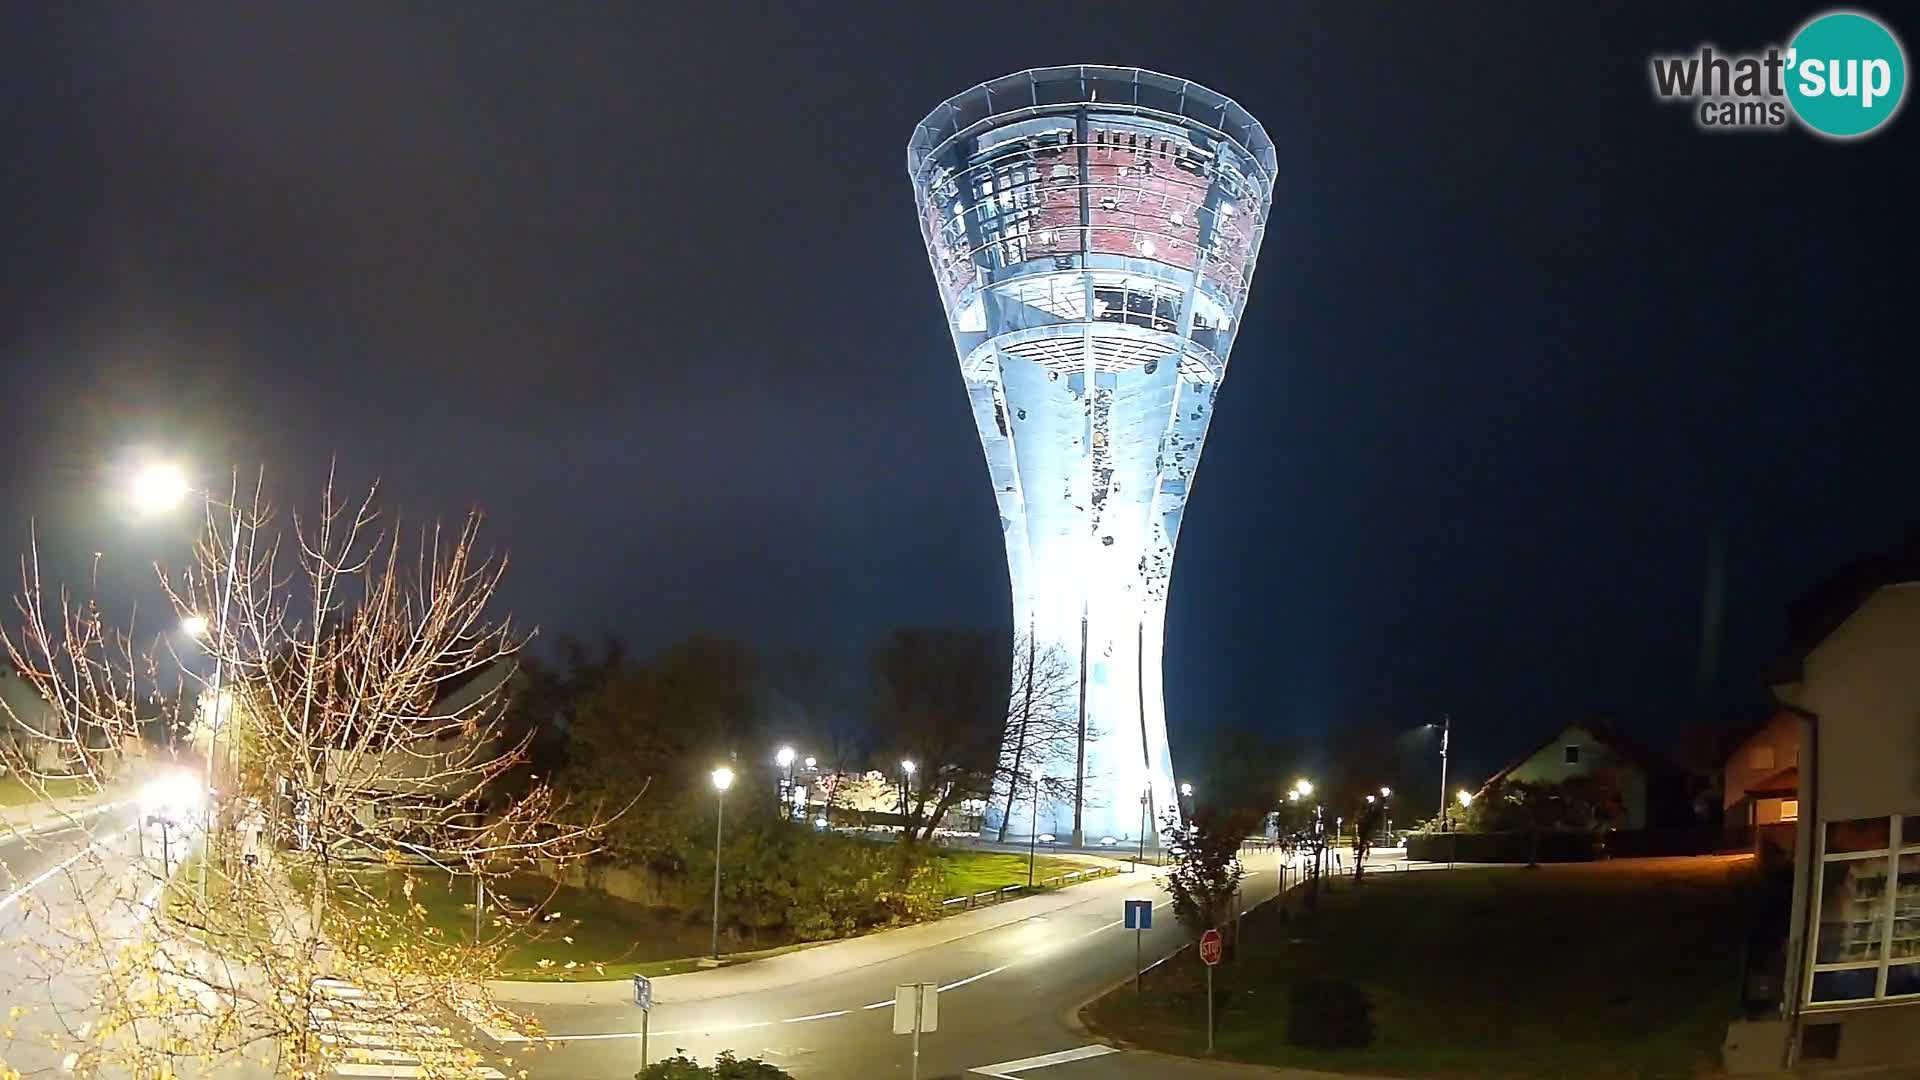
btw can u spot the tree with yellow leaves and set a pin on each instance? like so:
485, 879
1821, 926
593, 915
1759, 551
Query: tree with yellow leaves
277, 875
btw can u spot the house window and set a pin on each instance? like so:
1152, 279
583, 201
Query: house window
1573, 755
1760, 758
1867, 945
1789, 809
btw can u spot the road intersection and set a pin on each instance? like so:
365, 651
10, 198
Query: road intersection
1011, 979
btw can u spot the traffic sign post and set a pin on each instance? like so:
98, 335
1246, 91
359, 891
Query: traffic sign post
1210, 955
1138, 915
916, 1008
643, 997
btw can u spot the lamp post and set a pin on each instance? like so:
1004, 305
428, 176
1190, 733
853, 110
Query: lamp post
1446, 730
1146, 799
159, 488
1033, 832
722, 780
906, 794
1385, 794
784, 759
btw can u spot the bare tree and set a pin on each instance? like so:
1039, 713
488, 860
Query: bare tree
350, 715
1043, 723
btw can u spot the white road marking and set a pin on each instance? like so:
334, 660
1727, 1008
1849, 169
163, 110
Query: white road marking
14, 897
514, 1037
60, 824
1007, 1068
972, 978
407, 1071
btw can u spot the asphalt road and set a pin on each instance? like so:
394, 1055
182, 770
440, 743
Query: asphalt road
61, 892
1005, 995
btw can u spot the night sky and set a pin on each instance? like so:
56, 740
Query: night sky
1526, 354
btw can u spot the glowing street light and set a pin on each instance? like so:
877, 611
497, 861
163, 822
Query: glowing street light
1386, 793
811, 763
159, 488
1465, 797
906, 791
1370, 800
194, 626
1187, 790
1303, 786
785, 757
722, 780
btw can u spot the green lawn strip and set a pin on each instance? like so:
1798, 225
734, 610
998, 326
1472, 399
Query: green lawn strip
610, 938
15, 791
968, 872
1628, 968
233, 915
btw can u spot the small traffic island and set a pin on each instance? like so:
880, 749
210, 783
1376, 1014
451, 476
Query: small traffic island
1618, 969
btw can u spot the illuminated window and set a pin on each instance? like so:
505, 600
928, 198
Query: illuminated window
1789, 808
1867, 945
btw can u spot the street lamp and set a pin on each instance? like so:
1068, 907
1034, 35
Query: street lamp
784, 758
160, 487
1465, 797
722, 780
1304, 787
906, 791
1033, 832
1446, 732
157, 488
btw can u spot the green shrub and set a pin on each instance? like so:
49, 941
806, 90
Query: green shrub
726, 1067
1328, 1014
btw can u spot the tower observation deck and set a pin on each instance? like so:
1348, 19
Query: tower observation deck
1093, 232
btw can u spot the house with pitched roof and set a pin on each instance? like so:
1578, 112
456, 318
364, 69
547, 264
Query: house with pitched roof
1592, 750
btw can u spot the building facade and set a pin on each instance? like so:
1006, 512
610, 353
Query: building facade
1760, 788
1589, 751
1093, 232
1853, 980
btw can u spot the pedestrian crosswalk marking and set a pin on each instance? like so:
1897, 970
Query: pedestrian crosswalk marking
378, 1037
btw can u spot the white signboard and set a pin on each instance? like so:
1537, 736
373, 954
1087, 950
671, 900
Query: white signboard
916, 1002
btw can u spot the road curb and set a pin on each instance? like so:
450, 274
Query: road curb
614, 991
1075, 1022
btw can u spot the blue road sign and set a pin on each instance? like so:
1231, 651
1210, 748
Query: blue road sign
1139, 914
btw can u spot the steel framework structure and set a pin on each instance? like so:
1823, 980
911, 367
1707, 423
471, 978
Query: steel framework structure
1093, 232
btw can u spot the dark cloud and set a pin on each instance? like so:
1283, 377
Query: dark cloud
646, 284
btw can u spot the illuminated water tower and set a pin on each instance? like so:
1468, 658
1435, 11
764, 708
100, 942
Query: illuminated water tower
1093, 232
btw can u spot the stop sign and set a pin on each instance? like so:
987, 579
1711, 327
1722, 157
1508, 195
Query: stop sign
1210, 948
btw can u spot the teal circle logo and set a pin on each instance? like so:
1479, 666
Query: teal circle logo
1846, 74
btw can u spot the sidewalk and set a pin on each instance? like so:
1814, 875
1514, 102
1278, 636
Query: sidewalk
806, 965
38, 817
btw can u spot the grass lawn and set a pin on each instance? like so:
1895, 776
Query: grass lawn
970, 871
1618, 969
611, 938
15, 792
